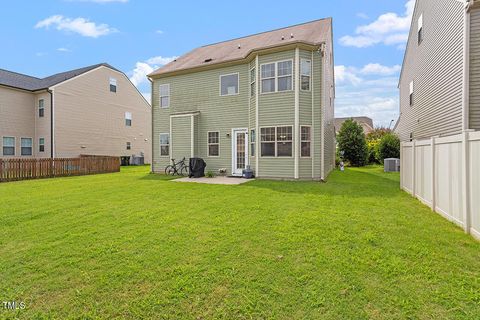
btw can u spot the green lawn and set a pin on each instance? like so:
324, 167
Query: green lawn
137, 246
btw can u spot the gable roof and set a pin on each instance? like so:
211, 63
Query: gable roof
314, 33
365, 122
24, 82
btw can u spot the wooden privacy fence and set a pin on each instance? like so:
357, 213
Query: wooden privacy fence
24, 169
444, 173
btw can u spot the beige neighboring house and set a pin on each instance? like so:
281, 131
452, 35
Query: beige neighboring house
94, 110
365, 122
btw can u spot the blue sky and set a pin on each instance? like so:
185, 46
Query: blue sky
49, 36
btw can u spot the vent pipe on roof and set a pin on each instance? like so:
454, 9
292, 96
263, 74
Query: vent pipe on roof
239, 46
291, 35
283, 37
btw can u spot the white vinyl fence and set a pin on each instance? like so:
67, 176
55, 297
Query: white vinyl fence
444, 173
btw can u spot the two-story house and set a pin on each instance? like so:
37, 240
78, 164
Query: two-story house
440, 80
94, 110
264, 101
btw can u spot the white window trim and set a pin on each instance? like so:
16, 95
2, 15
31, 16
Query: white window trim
410, 96
113, 82
306, 75
252, 81
220, 85
277, 77
14, 146
420, 22
253, 154
208, 144
33, 146
40, 144
310, 156
128, 116
163, 145
160, 95
126, 145
259, 137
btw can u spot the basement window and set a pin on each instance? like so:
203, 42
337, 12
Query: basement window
113, 85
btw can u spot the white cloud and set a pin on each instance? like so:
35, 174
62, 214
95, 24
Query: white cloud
81, 26
159, 32
64, 50
362, 15
376, 68
369, 91
389, 29
143, 68
345, 75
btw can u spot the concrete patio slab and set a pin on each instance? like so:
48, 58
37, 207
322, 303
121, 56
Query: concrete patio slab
215, 180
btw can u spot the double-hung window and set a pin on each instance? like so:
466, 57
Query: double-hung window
41, 145
41, 108
164, 90
268, 78
277, 76
26, 146
276, 141
253, 80
305, 74
128, 119
113, 85
284, 71
306, 139
284, 141
8, 146
411, 94
214, 144
253, 139
420, 29
164, 144
229, 84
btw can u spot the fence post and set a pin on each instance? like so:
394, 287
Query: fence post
466, 180
433, 180
414, 191
1, 170
401, 165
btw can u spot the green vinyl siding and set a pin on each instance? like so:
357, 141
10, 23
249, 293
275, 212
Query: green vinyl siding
198, 92
180, 141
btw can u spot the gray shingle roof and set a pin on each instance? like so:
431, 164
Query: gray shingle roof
314, 32
22, 81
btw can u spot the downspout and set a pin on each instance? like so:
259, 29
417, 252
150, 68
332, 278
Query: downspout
466, 68
52, 139
151, 123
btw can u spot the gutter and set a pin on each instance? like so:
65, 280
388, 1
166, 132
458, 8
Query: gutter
52, 140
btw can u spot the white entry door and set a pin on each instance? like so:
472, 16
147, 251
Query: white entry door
239, 151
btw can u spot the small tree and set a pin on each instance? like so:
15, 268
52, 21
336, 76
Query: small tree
351, 140
389, 147
373, 142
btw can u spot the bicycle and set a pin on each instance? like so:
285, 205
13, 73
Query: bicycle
179, 168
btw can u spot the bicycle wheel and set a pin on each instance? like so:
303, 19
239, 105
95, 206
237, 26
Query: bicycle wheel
169, 171
184, 171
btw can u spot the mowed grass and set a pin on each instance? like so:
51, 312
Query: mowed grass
134, 245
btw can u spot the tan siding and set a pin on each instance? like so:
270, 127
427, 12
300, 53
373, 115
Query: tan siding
17, 116
475, 69
89, 119
329, 106
42, 125
436, 66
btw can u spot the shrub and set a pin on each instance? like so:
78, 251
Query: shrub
373, 156
351, 140
210, 174
389, 147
